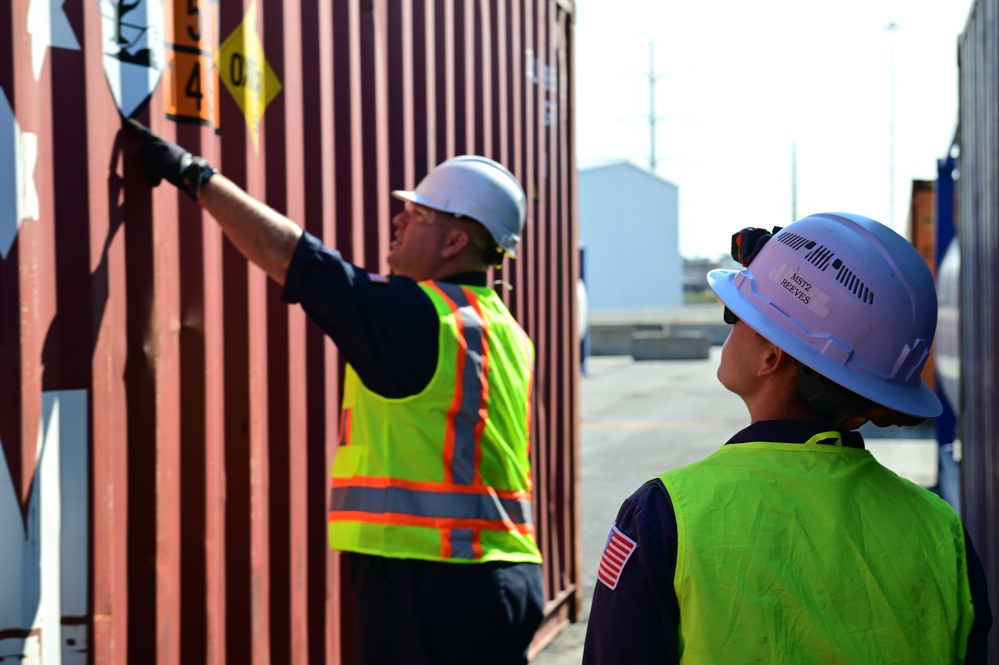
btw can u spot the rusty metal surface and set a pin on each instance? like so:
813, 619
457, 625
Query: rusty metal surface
922, 232
977, 195
167, 423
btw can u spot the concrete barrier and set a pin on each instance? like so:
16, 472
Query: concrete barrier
610, 331
717, 333
614, 339
651, 345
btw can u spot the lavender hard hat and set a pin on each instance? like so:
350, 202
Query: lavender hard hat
848, 297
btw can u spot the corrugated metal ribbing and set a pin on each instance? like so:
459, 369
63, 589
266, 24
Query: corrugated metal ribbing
978, 233
168, 423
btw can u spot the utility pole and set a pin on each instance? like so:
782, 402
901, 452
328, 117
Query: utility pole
891, 28
653, 119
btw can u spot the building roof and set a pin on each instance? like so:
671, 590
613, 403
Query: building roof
627, 165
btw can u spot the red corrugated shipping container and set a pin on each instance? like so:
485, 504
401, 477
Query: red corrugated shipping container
167, 422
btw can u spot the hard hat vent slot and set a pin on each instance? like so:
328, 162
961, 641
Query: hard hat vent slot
794, 241
854, 284
820, 257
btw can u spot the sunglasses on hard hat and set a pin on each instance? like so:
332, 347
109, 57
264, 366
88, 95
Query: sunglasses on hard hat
748, 242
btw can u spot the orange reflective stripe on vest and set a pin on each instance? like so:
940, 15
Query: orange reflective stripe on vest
344, 437
466, 417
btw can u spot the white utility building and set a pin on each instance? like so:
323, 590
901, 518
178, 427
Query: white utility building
629, 229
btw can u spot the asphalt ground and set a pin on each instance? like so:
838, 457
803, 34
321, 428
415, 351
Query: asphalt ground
640, 418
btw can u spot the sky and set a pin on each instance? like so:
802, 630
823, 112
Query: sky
743, 90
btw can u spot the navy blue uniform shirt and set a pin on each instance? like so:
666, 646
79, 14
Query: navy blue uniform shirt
638, 621
385, 326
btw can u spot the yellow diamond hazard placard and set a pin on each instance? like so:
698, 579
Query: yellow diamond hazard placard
245, 72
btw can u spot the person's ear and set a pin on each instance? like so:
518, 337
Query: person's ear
455, 243
773, 361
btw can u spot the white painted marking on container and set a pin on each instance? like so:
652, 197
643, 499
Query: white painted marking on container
133, 51
18, 196
48, 26
47, 549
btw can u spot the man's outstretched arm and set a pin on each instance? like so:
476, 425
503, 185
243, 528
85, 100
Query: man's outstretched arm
260, 233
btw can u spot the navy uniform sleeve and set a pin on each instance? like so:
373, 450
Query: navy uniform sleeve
638, 620
386, 327
978, 645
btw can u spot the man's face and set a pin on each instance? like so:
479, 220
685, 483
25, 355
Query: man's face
420, 235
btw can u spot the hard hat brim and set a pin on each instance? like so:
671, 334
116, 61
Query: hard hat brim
917, 400
407, 195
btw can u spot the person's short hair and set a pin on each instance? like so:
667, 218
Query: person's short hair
492, 254
488, 249
843, 407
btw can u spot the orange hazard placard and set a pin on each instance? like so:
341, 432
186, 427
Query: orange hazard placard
193, 80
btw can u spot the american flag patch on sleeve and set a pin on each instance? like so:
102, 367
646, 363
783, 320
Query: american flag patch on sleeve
617, 551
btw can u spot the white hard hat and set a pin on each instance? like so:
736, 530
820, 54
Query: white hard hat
479, 188
847, 297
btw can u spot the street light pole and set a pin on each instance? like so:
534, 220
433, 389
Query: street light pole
794, 180
891, 28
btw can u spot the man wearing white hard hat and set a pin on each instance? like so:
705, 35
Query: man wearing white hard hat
791, 543
430, 503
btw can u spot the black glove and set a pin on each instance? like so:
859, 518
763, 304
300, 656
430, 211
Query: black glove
165, 160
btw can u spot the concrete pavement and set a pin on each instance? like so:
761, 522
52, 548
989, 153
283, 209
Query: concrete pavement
640, 418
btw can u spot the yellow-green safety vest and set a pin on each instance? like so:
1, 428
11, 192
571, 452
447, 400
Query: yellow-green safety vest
443, 475
815, 553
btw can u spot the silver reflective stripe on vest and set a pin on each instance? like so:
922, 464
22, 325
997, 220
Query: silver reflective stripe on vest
462, 544
467, 417
421, 503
